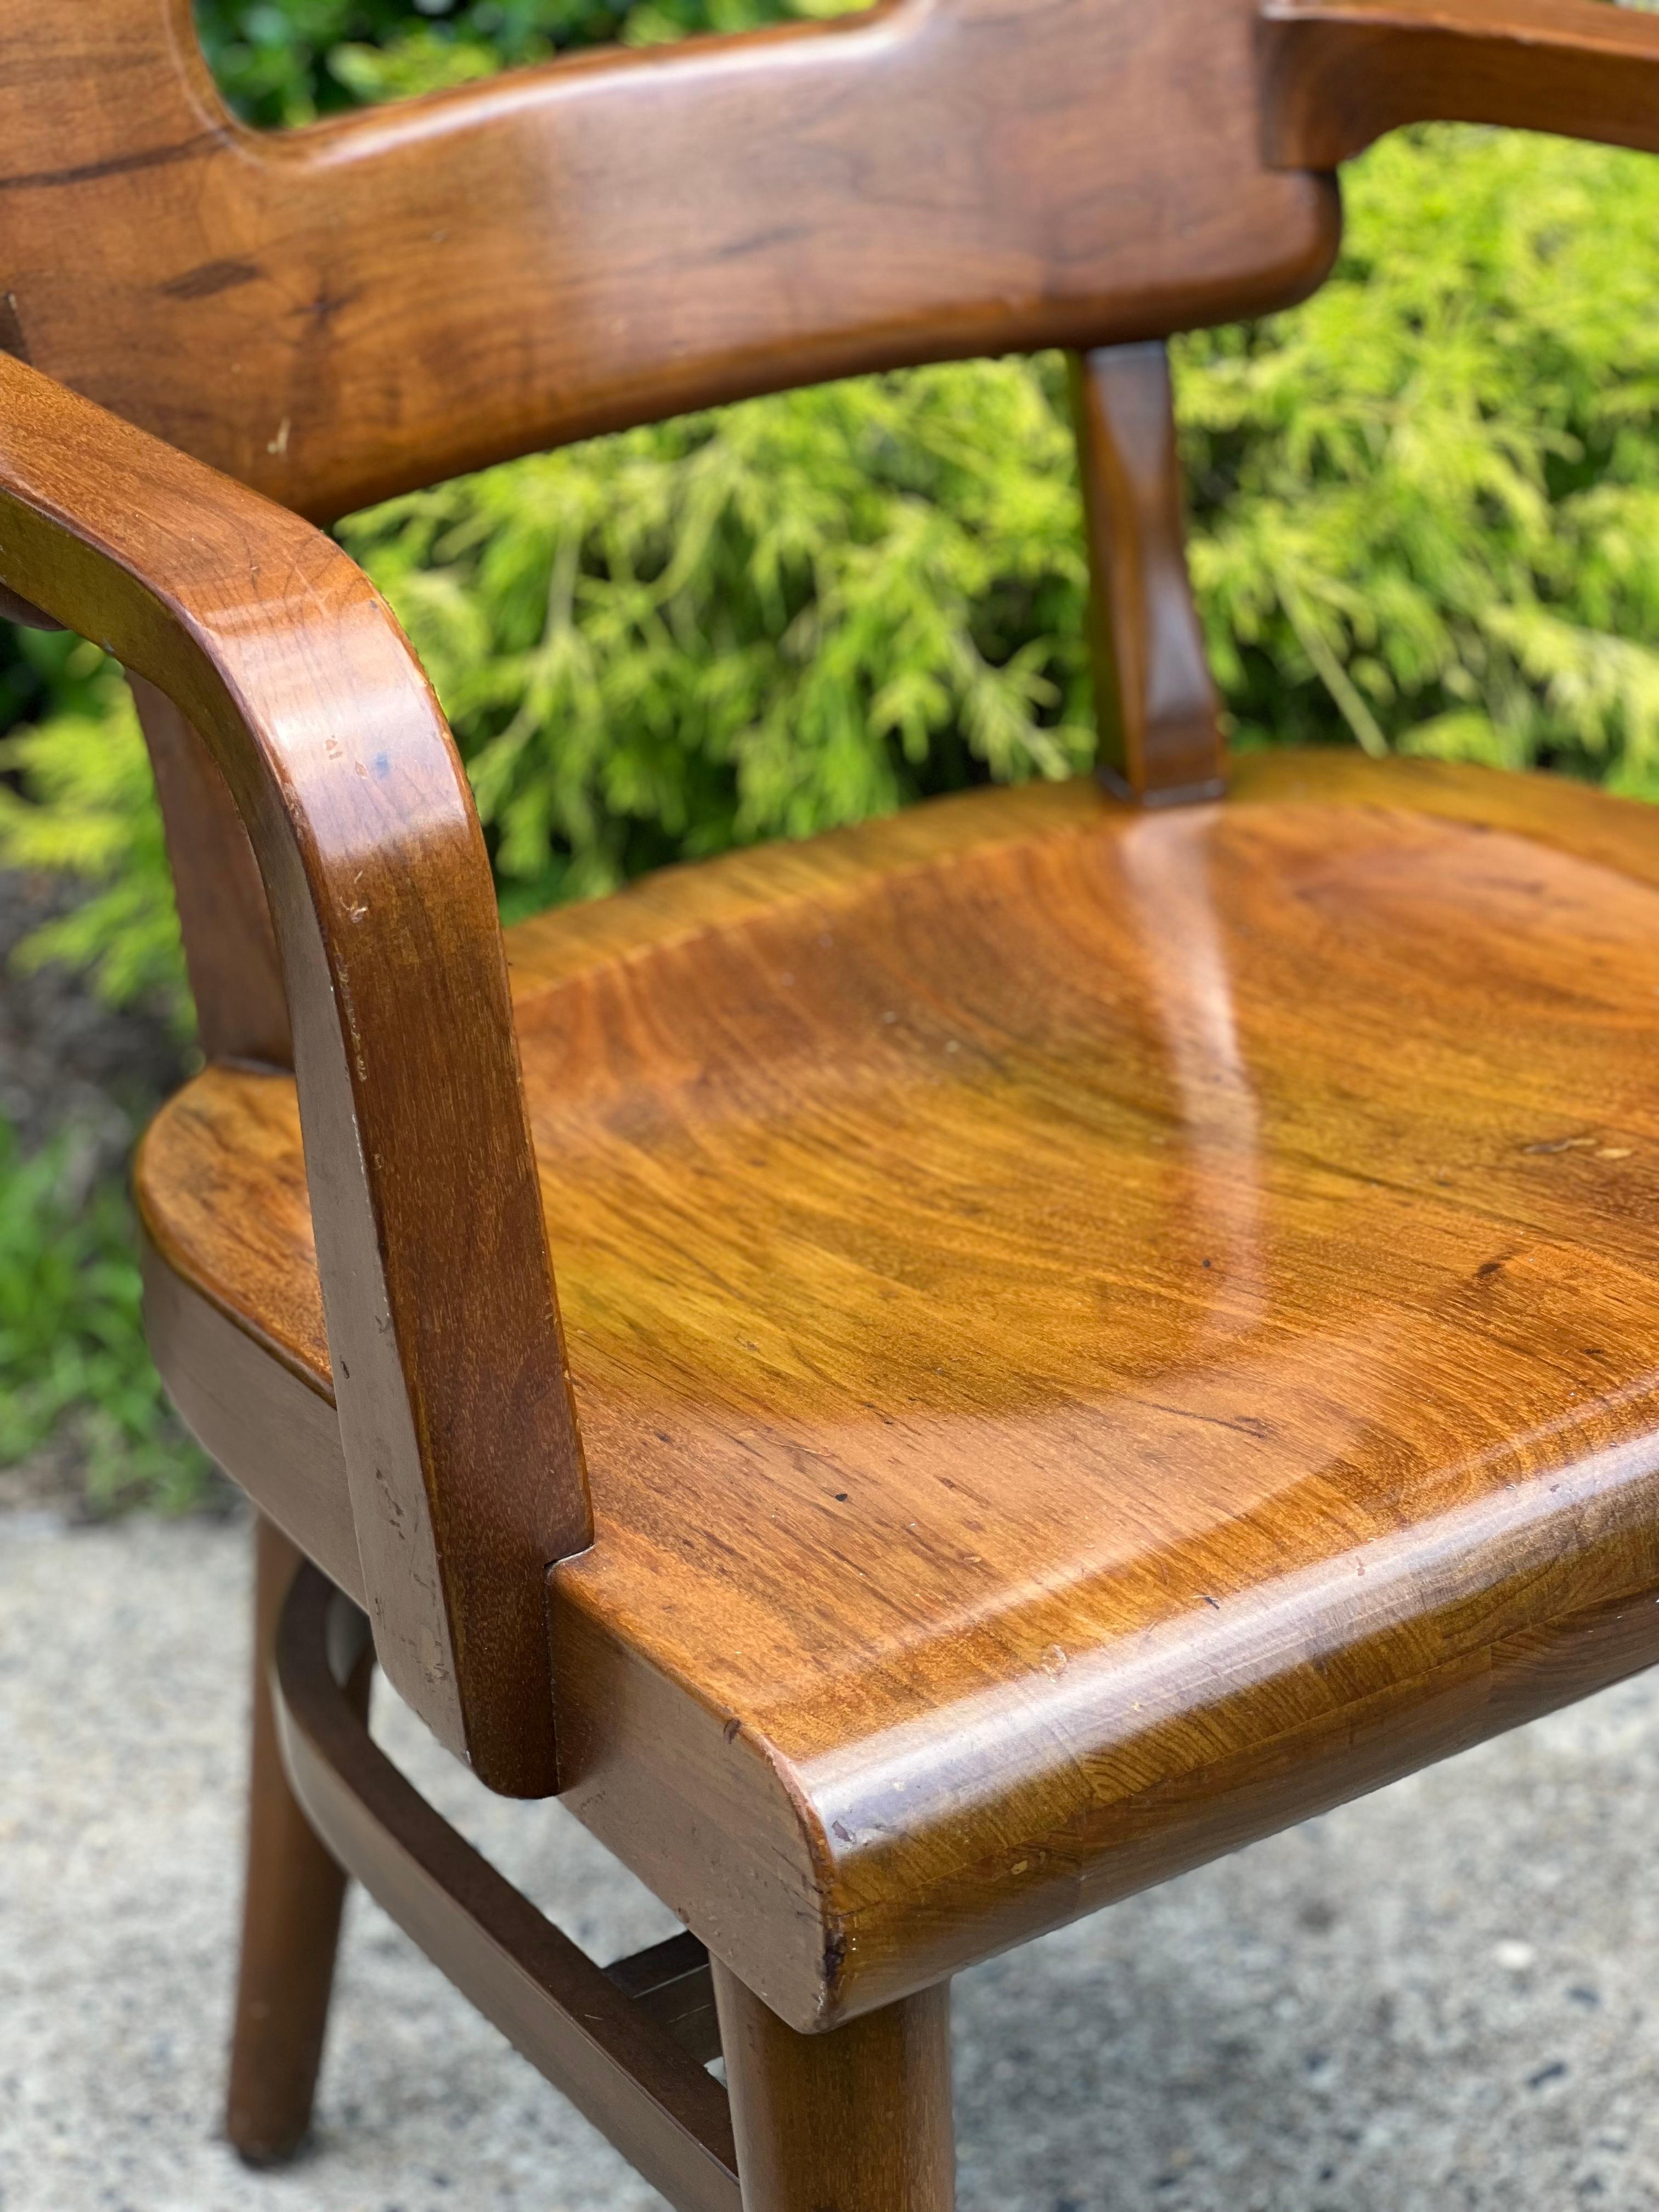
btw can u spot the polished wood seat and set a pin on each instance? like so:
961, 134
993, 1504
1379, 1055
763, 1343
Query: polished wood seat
1095, 1332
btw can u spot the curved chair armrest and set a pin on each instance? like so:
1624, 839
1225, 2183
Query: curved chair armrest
1338, 73
459, 1436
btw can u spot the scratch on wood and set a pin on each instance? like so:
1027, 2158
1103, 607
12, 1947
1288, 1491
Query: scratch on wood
212, 278
12, 340
120, 165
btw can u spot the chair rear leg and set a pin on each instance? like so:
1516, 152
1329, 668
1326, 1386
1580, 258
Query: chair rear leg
858, 2120
290, 1920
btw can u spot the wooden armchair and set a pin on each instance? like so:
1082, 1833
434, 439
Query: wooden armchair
1096, 1320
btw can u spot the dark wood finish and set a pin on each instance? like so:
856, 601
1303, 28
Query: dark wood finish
268, 1419
858, 2120
612, 2057
382, 300
970, 1551
465, 1467
671, 1980
1155, 702
1338, 73
230, 946
291, 1912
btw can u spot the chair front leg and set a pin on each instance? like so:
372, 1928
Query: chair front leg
291, 1916
857, 2119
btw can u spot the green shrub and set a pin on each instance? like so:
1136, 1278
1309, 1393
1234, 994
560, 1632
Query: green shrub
1423, 520
1427, 500
751, 623
91, 814
72, 1349
287, 61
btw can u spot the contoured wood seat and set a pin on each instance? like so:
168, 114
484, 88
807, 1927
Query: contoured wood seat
924, 1380
1094, 1333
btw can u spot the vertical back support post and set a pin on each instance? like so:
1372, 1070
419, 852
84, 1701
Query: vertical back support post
1160, 743
230, 946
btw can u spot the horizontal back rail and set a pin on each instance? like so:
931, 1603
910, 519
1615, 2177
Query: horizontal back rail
343, 312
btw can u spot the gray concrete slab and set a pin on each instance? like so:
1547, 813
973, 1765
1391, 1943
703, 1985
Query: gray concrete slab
1447, 1996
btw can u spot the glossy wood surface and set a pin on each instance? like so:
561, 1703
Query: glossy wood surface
1338, 73
290, 1911
859, 2121
1155, 704
448, 1362
377, 302
1096, 1333
574, 2022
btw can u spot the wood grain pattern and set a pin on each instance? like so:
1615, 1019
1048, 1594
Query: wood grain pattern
1338, 73
859, 2121
447, 1360
1155, 704
1096, 1333
340, 313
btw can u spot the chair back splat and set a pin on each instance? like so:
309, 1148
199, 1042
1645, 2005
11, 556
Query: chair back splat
1159, 739
344, 311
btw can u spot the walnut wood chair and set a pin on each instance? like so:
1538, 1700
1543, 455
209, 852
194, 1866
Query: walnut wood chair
1095, 1321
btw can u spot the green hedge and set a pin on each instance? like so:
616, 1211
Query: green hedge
74, 1371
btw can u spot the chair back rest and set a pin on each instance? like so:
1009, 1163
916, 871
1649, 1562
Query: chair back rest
343, 311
